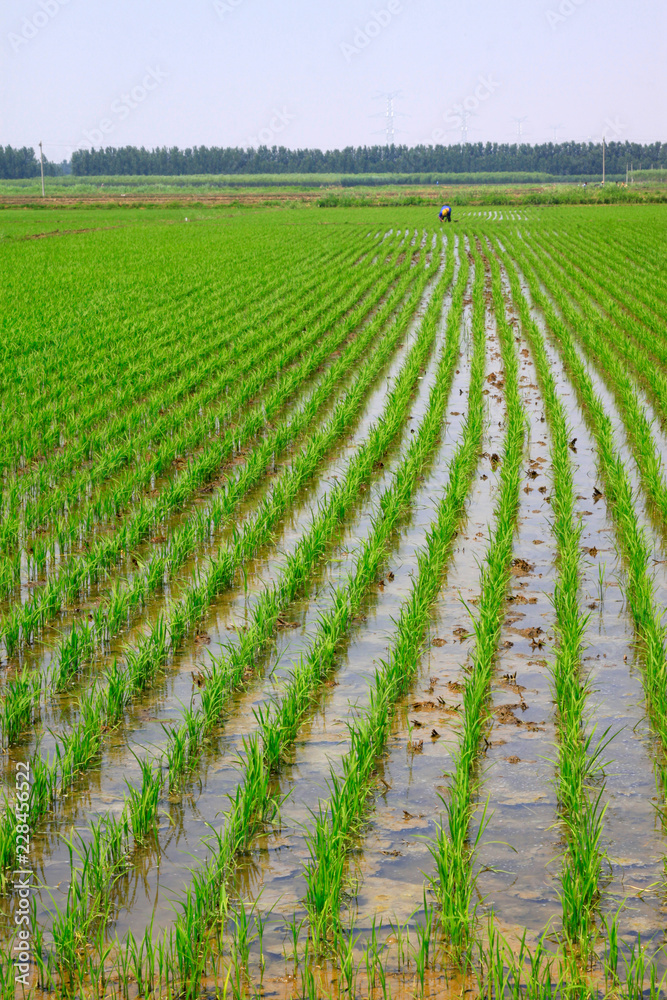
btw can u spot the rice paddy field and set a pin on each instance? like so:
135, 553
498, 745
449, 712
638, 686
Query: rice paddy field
333, 565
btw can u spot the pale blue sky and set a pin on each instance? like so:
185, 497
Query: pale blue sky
297, 73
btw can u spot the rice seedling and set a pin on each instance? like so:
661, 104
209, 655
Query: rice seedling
147, 657
250, 406
579, 759
453, 850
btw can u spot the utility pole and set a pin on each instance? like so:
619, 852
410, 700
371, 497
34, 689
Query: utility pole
603, 161
41, 163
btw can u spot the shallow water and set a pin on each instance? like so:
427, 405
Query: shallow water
518, 861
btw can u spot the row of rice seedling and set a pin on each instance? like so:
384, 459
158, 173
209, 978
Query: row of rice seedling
79, 747
602, 344
257, 798
338, 823
453, 850
579, 756
183, 430
44, 414
112, 614
91, 431
637, 552
79, 573
644, 296
223, 676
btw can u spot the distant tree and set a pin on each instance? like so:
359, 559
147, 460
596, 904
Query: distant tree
561, 159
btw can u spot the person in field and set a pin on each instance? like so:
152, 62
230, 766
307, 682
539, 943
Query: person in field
445, 213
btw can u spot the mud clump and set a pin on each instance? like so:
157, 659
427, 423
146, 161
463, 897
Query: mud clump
521, 567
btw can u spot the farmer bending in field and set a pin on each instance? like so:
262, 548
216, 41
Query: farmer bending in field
445, 213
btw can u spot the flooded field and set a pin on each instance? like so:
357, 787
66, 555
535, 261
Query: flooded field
333, 567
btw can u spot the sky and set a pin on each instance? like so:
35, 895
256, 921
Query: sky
315, 73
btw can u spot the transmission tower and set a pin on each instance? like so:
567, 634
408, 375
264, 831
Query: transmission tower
555, 129
519, 126
389, 114
464, 115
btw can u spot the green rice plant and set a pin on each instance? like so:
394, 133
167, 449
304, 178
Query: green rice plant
422, 950
244, 933
452, 849
143, 803
255, 802
349, 967
634, 547
602, 568
151, 652
74, 926
22, 695
7, 844
26, 619
373, 956
579, 756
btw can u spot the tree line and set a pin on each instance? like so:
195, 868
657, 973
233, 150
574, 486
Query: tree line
554, 159
18, 163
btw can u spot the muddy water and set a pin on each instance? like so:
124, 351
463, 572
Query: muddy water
281, 869
634, 839
518, 845
395, 857
225, 777
280, 874
108, 792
